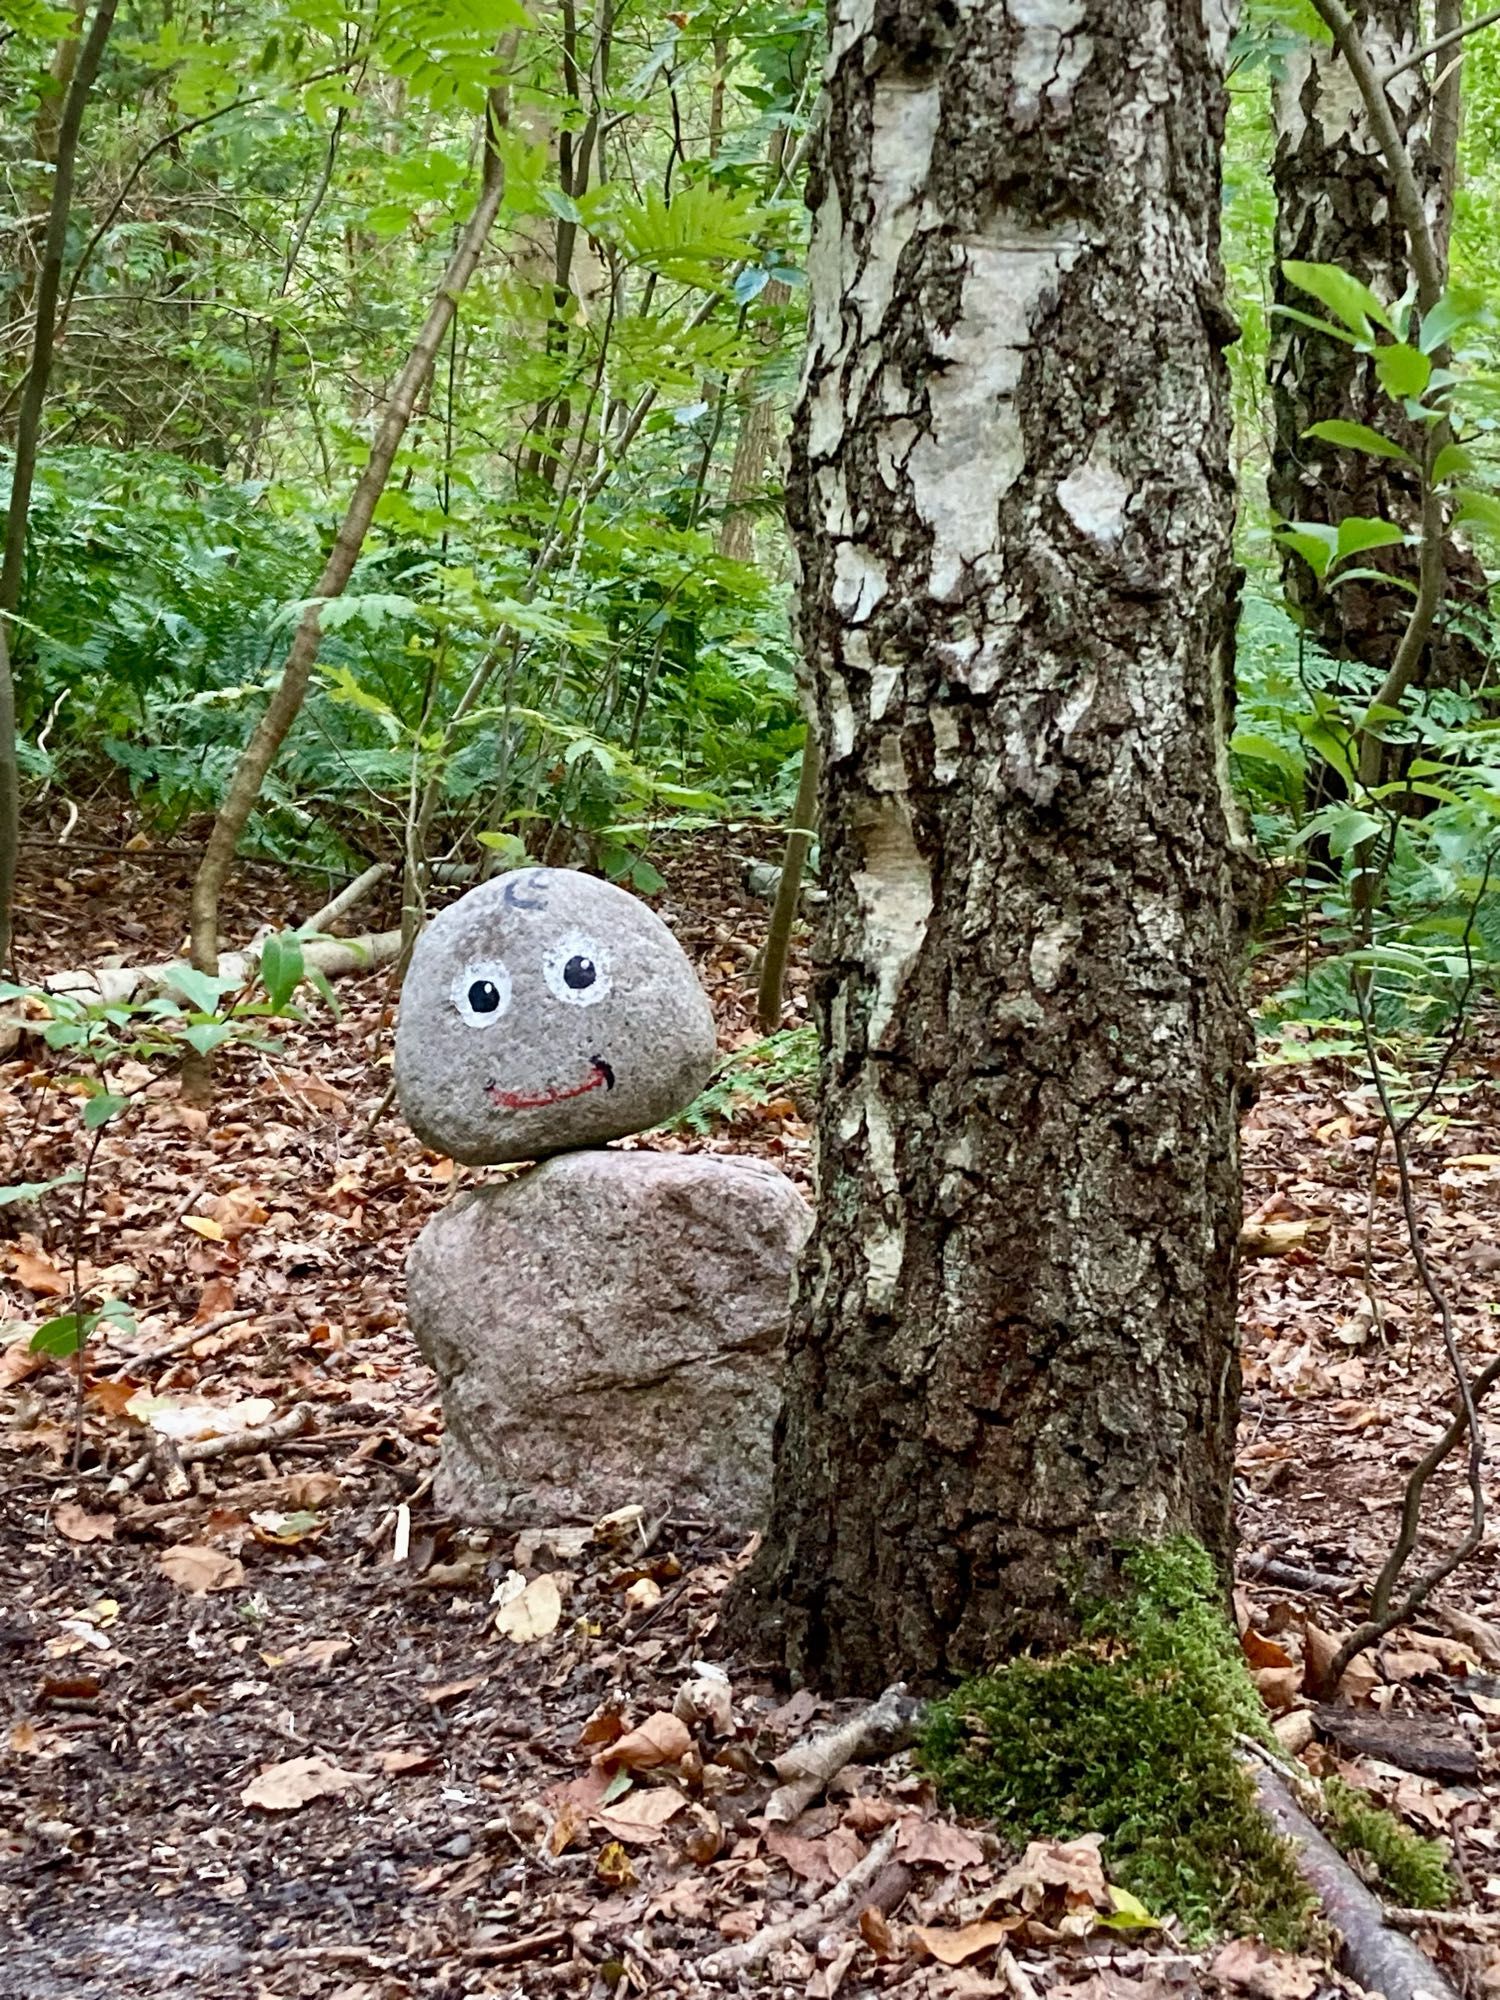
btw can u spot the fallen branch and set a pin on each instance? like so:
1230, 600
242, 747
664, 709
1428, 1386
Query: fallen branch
831, 1908
1258, 1568
235, 1445
345, 900
120, 985
808, 1767
1371, 1952
129, 1364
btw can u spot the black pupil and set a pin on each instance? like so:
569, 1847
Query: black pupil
484, 996
579, 973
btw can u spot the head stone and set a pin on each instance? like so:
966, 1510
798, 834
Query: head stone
545, 1011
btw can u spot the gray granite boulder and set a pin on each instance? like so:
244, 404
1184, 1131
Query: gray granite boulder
543, 1011
608, 1329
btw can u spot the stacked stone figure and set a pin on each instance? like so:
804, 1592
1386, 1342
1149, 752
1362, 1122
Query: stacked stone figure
607, 1327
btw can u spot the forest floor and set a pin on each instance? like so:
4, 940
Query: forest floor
267, 1740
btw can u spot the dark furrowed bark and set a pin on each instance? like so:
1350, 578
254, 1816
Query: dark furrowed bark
1013, 1349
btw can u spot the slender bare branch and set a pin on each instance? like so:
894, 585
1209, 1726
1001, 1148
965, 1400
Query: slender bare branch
1444, 40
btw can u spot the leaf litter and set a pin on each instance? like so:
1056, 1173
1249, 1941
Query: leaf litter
251, 1752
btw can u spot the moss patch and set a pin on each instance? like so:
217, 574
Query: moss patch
1412, 1872
1131, 1734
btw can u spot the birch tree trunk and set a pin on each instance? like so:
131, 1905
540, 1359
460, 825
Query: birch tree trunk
1334, 206
1014, 1344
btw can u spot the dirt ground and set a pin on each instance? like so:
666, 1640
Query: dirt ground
285, 1735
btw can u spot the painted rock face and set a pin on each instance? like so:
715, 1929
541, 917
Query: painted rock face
546, 1011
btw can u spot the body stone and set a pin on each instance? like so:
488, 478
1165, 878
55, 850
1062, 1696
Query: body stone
543, 1012
608, 1329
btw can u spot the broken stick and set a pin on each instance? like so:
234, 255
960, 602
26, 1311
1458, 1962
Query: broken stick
809, 1767
836, 1904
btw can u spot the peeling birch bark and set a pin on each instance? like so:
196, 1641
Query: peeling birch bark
1013, 1348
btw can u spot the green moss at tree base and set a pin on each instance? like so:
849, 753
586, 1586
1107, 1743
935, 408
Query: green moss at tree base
1132, 1734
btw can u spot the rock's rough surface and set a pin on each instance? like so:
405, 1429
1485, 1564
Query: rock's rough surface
543, 1011
608, 1329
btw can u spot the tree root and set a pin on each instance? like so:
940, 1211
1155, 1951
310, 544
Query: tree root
1370, 1951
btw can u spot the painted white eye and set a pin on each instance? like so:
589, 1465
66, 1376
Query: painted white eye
481, 993
576, 970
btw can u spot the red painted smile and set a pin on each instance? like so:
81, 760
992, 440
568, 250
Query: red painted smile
600, 1077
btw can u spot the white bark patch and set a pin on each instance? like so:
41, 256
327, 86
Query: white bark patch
905, 126
885, 1252
883, 684
973, 451
1220, 18
841, 720
859, 582
894, 889
946, 744
1050, 951
833, 494
1050, 59
1094, 497
825, 276
853, 21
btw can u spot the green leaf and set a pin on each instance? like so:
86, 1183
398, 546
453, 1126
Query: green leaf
1358, 532
1477, 509
1129, 1912
65, 1335
1454, 461
1316, 543
281, 967
1357, 437
1403, 370
1373, 576
1346, 826
206, 1036
34, 1190
1459, 306
1346, 296
202, 990
645, 880
100, 1109
1316, 325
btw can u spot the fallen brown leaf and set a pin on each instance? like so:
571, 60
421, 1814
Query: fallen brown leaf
641, 1817
286, 1787
37, 1271
662, 1738
1266, 1974
532, 1613
198, 1570
940, 1843
79, 1525
954, 1947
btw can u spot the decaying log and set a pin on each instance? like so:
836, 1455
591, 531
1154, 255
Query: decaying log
1370, 1951
1400, 1740
808, 1767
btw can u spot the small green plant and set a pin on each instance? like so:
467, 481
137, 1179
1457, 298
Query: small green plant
1410, 1870
95, 1038
1133, 1734
782, 1065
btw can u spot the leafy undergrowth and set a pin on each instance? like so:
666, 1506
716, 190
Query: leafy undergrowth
1133, 1734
